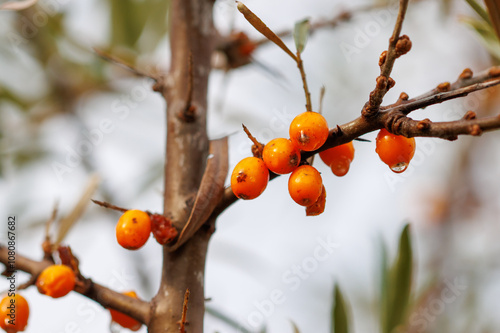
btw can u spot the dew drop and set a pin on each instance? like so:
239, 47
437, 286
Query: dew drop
400, 167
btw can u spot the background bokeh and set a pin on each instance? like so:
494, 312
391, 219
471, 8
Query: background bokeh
57, 97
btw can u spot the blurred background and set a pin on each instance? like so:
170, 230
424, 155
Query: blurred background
66, 114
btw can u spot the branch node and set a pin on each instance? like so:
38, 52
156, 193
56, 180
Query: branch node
469, 115
381, 82
403, 46
391, 83
475, 130
494, 71
381, 59
403, 96
424, 125
466, 74
443, 87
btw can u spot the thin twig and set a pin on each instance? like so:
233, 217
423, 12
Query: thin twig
108, 205
387, 62
123, 64
300, 65
183, 322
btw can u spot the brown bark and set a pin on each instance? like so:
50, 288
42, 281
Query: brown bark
185, 91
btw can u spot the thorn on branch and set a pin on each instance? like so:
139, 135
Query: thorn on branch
183, 322
257, 147
189, 111
466, 74
108, 205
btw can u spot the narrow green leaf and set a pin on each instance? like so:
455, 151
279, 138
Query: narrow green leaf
487, 34
300, 34
227, 319
384, 282
400, 282
479, 10
340, 319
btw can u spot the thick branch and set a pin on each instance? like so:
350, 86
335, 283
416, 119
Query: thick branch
108, 298
192, 43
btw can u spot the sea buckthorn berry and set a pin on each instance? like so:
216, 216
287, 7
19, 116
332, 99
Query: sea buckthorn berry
133, 229
281, 156
249, 178
14, 313
339, 158
122, 319
304, 185
319, 206
308, 131
395, 150
56, 281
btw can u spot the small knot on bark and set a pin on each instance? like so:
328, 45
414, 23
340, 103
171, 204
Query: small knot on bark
475, 130
391, 83
466, 74
424, 125
442, 87
381, 59
403, 46
469, 115
381, 82
494, 71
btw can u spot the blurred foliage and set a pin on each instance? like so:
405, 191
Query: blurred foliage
340, 318
40, 36
484, 27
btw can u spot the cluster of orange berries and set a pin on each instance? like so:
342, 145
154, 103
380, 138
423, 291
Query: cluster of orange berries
135, 226
308, 132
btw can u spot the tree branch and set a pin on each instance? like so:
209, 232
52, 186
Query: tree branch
394, 118
135, 308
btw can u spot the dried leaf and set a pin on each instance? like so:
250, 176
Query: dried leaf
17, 5
261, 27
210, 191
319, 206
295, 328
494, 12
300, 34
66, 223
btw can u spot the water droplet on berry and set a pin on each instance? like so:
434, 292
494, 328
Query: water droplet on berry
400, 167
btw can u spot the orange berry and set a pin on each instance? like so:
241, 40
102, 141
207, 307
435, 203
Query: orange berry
133, 229
339, 158
122, 319
319, 206
14, 313
395, 150
56, 281
304, 185
281, 156
309, 131
249, 178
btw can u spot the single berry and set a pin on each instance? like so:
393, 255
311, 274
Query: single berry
309, 131
249, 178
14, 313
162, 229
339, 158
56, 281
395, 150
281, 156
304, 185
122, 319
319, 206
133, 229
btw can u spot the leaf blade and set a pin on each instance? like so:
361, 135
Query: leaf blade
300, 34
